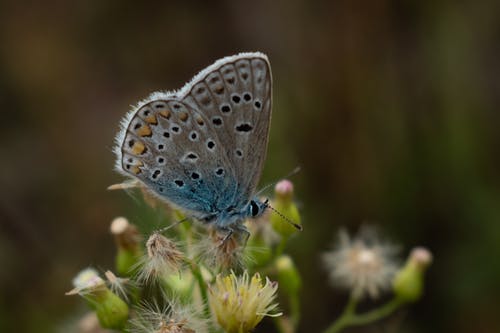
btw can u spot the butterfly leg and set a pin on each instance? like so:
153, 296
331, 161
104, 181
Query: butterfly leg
240, 230
246, 236
230, 232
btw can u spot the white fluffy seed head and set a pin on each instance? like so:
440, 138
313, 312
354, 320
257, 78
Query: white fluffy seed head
163, 257
363, 264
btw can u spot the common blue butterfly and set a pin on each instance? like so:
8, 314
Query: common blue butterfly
202, 148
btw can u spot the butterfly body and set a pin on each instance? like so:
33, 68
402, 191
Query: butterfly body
202, 148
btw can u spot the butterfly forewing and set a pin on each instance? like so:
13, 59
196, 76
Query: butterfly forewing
236, 97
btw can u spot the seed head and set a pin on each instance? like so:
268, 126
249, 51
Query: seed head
163, 257
362, 264
172, 318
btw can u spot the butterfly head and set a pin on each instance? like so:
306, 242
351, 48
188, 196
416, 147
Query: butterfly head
234, 216
256, 208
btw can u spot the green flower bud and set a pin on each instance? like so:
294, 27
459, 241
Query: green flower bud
408, 283
110, 309
288, 277
128, 242
287, 209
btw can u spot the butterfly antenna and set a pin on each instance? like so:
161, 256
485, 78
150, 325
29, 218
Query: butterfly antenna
162, 230
290, 174
296, 225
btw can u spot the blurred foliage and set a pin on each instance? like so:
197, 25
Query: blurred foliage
389, 107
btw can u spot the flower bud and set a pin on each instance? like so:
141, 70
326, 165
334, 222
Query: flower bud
110, 309
284, 190
287, 209
408, 283
127, 240
288, 276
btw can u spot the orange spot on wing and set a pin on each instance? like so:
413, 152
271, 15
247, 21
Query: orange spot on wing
165, 113
138, 148
144, 130
136, 169
200, 121
183, 116
151, 119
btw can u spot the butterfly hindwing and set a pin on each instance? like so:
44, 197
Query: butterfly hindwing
168, 147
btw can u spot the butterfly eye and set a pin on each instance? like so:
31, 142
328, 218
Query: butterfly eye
254, 208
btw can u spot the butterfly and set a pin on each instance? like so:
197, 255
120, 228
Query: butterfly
202, 148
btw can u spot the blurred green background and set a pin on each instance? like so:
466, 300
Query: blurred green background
389, 107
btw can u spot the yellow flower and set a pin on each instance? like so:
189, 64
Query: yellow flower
240, 303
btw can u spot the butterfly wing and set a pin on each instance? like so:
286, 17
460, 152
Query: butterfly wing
235, 94
202, 148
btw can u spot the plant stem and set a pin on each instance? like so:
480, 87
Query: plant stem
280, 248
279, 324
294, 310
377, 314
345, 317
350, 318
195, 269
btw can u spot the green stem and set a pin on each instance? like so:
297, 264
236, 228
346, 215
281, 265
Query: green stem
350, 318
280, 248
279, 324
377, 314
195, 269
294, 302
